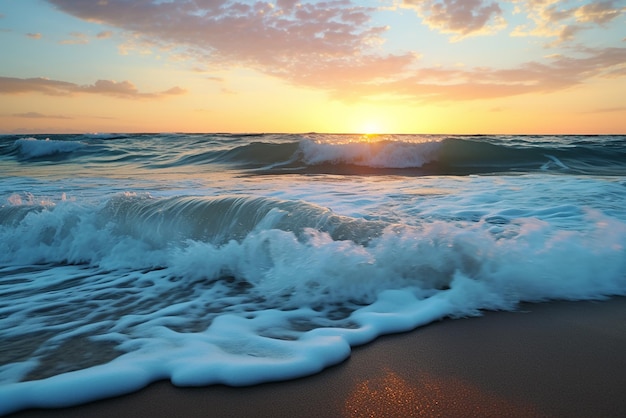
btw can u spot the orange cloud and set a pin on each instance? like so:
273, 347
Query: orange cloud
37, 115
441, 84
609, 110
122, 89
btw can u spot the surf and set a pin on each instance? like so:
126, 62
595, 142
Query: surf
207, 259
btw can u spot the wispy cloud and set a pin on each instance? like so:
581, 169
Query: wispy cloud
225, 90
77, 38
609, 110
34, 35
122, 89
561, 72
104, 34
37, 115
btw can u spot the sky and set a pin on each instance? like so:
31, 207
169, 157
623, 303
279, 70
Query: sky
292, 66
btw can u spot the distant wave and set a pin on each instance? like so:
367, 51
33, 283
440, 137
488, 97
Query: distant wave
381, 154
460, 156
328, 154
37, 148
105, 136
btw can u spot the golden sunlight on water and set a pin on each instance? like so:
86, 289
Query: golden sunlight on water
427, 396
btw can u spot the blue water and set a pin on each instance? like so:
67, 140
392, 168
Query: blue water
241, 259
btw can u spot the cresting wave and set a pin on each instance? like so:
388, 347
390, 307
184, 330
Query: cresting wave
161, 290
447, 156
264, 241
412, 155
31, 148
460, 156
160, 223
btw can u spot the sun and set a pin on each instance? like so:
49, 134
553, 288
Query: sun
371, 128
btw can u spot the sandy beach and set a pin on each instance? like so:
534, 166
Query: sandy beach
549, 359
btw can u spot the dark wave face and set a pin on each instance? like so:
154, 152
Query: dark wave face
329, 154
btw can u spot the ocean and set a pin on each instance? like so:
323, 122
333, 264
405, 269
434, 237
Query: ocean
240, 259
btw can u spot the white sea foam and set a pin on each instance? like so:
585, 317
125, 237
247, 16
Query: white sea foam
408, 276
383, 154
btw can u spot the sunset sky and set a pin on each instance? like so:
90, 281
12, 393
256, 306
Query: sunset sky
411, 66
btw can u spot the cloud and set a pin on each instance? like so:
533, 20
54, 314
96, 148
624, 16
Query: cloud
78, 38
293, 40
437, 84
104, 34
599, 12
34, 35
228, 91
122, 89
336, 46
12, 85
554, 18
224, 29
37, 115
609, 110
461, 18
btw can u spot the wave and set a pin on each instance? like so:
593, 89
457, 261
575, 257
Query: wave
158, 224
241, 289
464, 156
141, 232
334, 154
447, 156
33, 148
105, 135
225, 218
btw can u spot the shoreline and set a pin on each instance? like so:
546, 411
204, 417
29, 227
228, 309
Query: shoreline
545, 359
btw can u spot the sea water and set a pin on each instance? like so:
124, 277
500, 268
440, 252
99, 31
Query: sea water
241, 259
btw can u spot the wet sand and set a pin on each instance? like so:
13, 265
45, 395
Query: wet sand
550, 359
